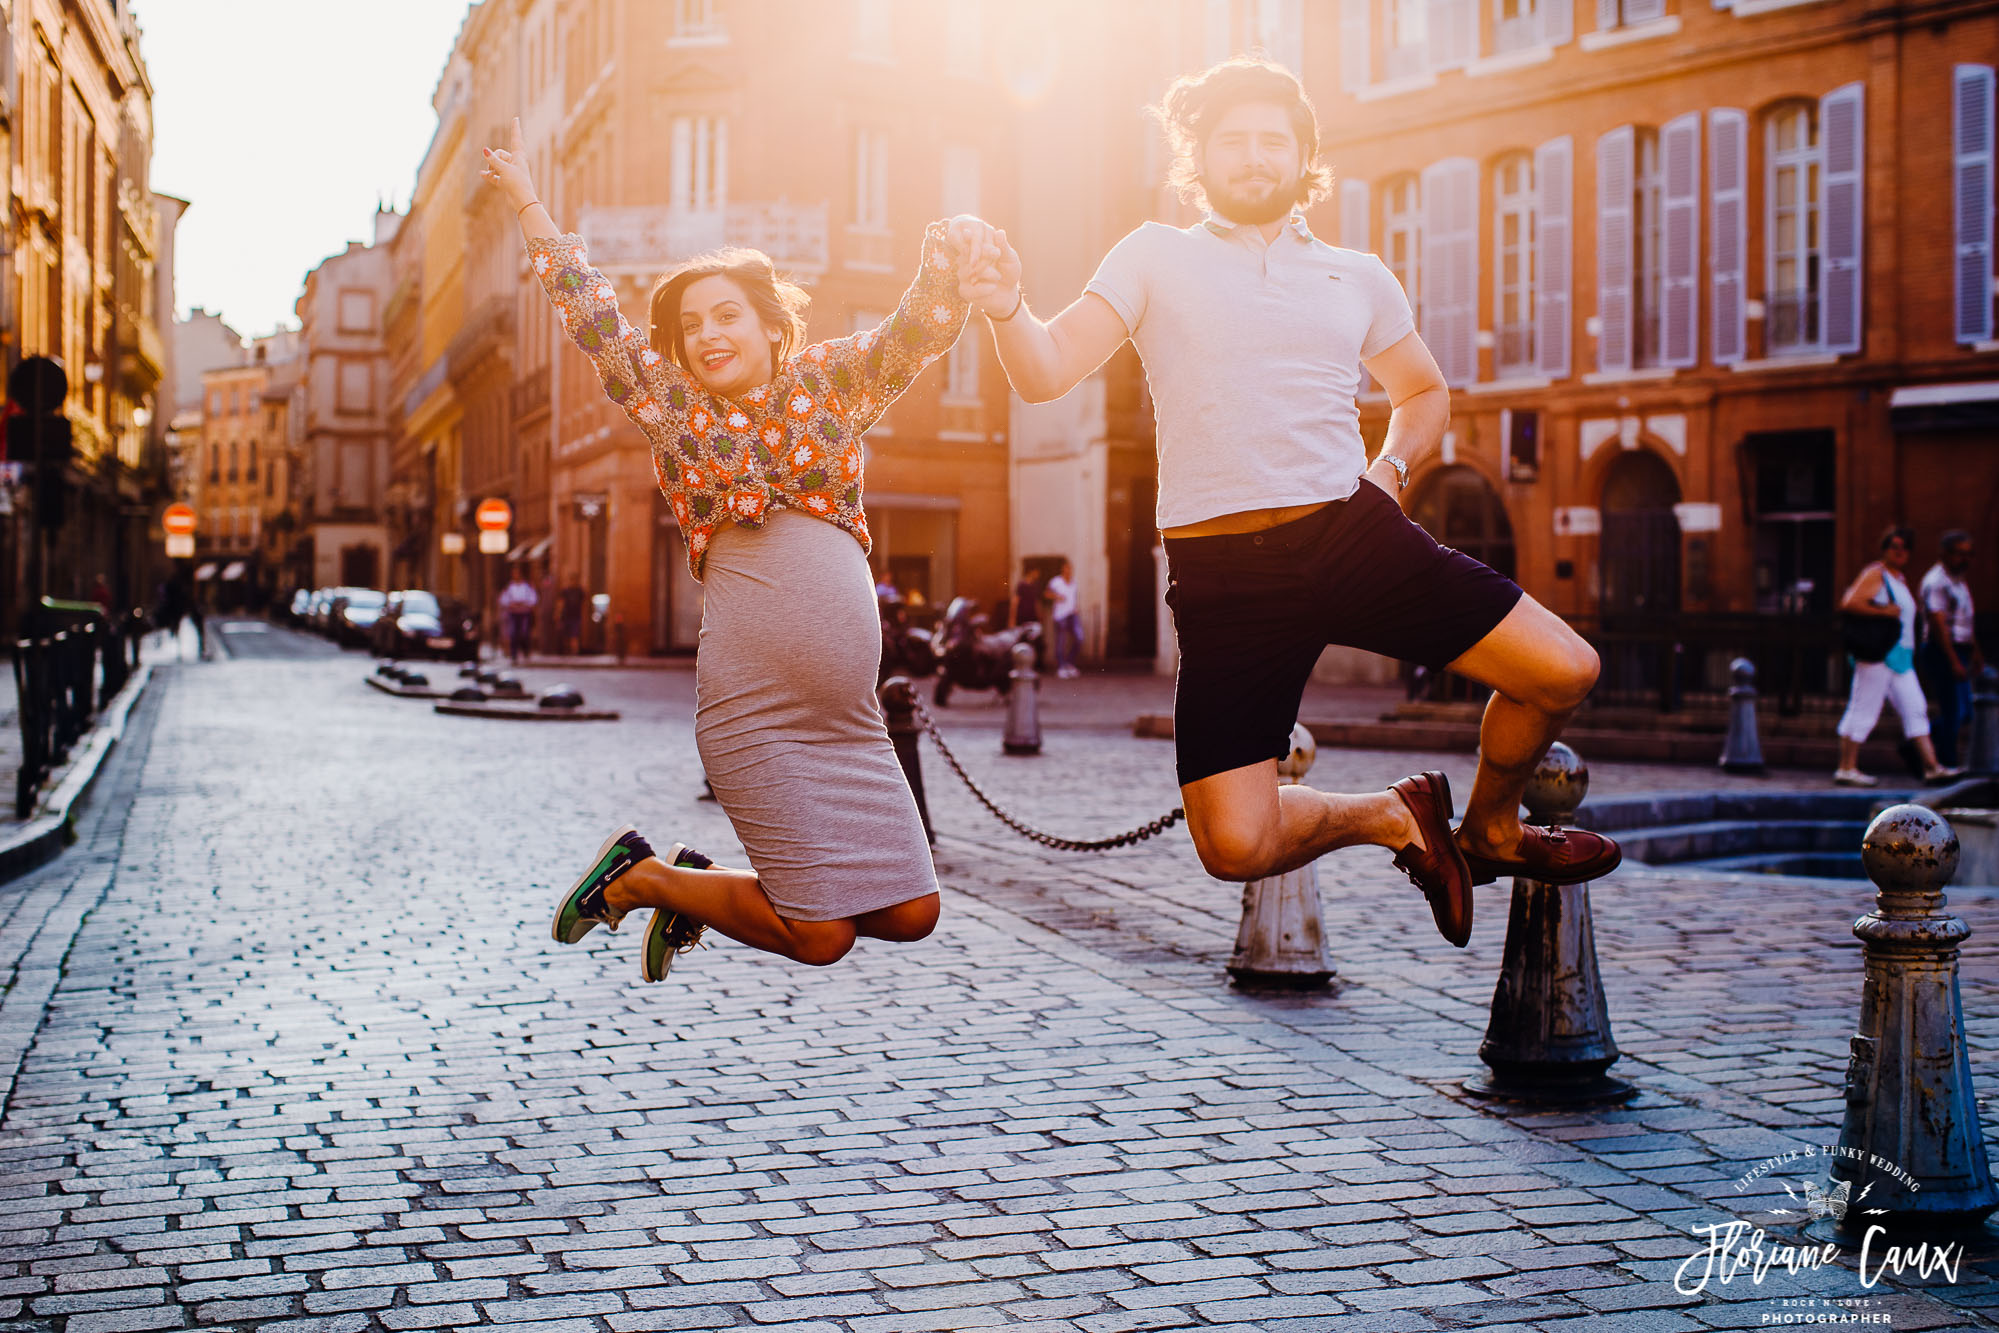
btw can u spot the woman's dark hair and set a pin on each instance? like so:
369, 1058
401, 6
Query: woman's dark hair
1897, 532
1195, 102
779, 302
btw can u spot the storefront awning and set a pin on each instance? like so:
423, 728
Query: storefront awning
1970, 405
531, 550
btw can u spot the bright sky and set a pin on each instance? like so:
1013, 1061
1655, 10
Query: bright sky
282, 122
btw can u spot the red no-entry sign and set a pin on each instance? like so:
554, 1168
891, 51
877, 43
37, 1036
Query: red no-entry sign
178, 520
493, 515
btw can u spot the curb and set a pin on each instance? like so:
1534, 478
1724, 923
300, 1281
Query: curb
42, 838
531, 713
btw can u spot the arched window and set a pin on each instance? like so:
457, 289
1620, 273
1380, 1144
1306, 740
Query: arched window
1513, 263
1792, 178
1402, 236
1459, 508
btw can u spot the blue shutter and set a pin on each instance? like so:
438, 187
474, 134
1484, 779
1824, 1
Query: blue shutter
1728, 157
1606, 15
1554, 173
1841, 115
1613, 249
1971, 139
1680, 157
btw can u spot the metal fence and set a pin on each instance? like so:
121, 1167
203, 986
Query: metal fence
73, 664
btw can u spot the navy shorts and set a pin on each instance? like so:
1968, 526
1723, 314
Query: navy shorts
1254, 610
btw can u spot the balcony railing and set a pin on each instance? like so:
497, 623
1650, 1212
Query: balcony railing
1516, 347
793, 235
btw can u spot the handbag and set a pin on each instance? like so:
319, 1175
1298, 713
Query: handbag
1869, 638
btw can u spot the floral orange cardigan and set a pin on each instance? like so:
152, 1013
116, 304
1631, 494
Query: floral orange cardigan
794, 443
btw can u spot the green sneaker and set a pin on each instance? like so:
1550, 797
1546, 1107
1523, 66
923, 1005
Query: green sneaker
583, 908
670, 933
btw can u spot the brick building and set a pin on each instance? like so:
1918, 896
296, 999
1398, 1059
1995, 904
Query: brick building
660, 130
1712, 285
80, 279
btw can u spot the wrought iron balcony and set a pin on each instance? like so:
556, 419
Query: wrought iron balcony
1792, 322
1516, 347
647, 238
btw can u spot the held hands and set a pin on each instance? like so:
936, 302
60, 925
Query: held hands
507, 170
988, 267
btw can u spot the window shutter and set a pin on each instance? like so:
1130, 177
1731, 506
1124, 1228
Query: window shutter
1220, 41
1453, 33
1281, 32
1972, 143
1554, 171
1558, 21
680, 172
1450, 267
1613, 248
1841, 113
1644, 11
1606, 18
1728, 149
1354, 231
1356, 55
1680, 156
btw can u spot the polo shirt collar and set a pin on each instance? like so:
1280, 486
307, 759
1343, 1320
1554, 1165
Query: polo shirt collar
1221, 226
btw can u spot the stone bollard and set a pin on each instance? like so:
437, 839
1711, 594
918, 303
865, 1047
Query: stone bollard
1281, 941
1023, 704
1742, 752
1985, 723
1911, 1148
905, 733
1548, 1041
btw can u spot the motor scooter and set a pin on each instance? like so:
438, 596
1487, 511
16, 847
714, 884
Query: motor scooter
971, 657
906, 649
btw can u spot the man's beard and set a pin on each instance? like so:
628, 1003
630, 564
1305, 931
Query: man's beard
1251, 204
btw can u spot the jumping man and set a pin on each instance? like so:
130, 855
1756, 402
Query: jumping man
1253, 333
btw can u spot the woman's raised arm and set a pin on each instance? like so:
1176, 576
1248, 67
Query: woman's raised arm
870, 369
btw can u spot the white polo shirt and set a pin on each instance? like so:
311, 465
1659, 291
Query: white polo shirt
1253, 353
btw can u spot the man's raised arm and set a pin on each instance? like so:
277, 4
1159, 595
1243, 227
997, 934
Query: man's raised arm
1043, 360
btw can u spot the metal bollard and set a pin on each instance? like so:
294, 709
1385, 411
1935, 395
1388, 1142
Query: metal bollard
1742, 751
905, 733
1985, 723
1548, 1040
1281, 941
1023, 704
1911, 1145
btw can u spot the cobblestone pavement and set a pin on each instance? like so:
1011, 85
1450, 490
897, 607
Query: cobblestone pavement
285, 1045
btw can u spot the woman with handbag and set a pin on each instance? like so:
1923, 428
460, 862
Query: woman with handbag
1878, 615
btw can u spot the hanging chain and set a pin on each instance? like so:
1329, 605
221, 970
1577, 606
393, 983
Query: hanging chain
1137, 835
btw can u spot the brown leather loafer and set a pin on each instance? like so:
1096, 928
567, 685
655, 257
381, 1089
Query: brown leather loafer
1553, 856
1439, 868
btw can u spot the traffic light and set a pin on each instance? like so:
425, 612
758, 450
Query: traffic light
38, 434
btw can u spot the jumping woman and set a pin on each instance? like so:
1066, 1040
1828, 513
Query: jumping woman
756, 441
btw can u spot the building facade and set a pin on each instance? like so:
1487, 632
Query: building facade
81, 282
1712, 284
343, 435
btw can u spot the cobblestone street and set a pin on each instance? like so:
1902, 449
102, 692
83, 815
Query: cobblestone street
286, 1046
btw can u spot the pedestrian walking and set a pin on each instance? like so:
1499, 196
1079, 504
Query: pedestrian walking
517, 604
1950, 655
1880, 591
1280, 535
757, 445
1068, 621
885, 586
1029, 591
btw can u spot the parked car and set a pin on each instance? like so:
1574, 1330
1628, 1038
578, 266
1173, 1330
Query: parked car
355, 614
320, 619
300, 608
415, 623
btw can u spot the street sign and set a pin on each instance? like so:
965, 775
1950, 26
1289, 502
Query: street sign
178, 520
180, 546
451, 543
493, 515
493, 542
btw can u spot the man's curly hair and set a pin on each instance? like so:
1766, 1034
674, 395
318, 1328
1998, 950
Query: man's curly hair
1195, 102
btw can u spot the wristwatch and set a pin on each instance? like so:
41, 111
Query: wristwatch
1401, 467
